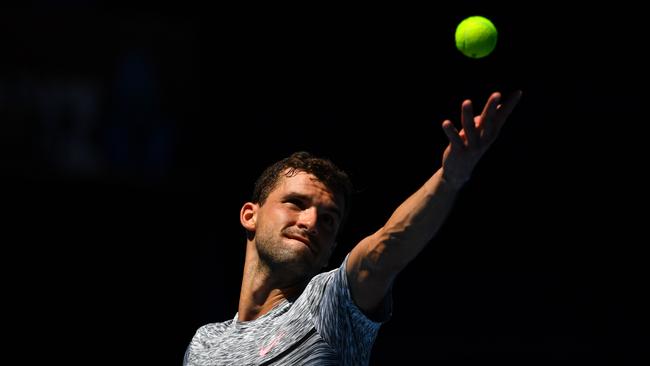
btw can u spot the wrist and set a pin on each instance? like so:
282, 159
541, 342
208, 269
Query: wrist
450, 181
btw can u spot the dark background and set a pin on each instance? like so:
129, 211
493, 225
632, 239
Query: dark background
131, 136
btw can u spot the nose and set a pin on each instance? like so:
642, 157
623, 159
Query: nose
308, 220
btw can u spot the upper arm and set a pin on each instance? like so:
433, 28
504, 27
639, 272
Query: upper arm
369, 276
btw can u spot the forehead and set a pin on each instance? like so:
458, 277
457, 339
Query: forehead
301, 182
308, 185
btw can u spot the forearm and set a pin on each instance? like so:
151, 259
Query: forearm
413, 224
378, 258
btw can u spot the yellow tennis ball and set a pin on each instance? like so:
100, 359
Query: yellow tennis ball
476, 37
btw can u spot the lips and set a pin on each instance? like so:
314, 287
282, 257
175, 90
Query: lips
302, 239
299, 238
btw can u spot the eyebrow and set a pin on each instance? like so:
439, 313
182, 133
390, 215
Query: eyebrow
305, 198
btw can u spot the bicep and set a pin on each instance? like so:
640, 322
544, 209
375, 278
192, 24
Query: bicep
369, 278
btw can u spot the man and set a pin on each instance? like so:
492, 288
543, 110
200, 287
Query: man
289, 313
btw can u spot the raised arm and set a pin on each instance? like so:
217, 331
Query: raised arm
378, 258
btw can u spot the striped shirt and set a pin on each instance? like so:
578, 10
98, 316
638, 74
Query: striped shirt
322, 326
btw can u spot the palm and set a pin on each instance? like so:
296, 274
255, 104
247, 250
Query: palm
467, 147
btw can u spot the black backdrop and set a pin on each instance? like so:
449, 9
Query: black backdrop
131, 137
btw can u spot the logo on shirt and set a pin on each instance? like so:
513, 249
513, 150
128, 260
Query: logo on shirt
264, 350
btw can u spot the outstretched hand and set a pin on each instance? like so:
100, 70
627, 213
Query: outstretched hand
478, 133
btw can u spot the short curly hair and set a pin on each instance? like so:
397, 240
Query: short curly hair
323, 169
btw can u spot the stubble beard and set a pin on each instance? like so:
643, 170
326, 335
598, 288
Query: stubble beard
280, 258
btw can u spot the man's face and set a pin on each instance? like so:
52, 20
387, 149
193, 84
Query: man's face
297, 225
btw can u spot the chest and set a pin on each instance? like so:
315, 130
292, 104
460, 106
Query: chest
276, 346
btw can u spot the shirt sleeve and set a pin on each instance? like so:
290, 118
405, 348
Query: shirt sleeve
186, 360
341, 323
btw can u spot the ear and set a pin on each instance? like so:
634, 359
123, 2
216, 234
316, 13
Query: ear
248, 216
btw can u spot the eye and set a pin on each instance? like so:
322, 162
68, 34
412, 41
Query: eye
294, 203
329, 220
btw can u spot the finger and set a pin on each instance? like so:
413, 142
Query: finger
467, 120
452, 135
487, 116
504, 110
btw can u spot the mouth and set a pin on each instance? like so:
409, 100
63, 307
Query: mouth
302, 240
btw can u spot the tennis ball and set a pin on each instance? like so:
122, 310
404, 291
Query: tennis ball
476, 37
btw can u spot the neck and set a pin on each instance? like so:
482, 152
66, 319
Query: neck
261, 290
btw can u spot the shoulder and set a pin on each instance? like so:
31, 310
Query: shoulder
324, 278
210, 331
319, 283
